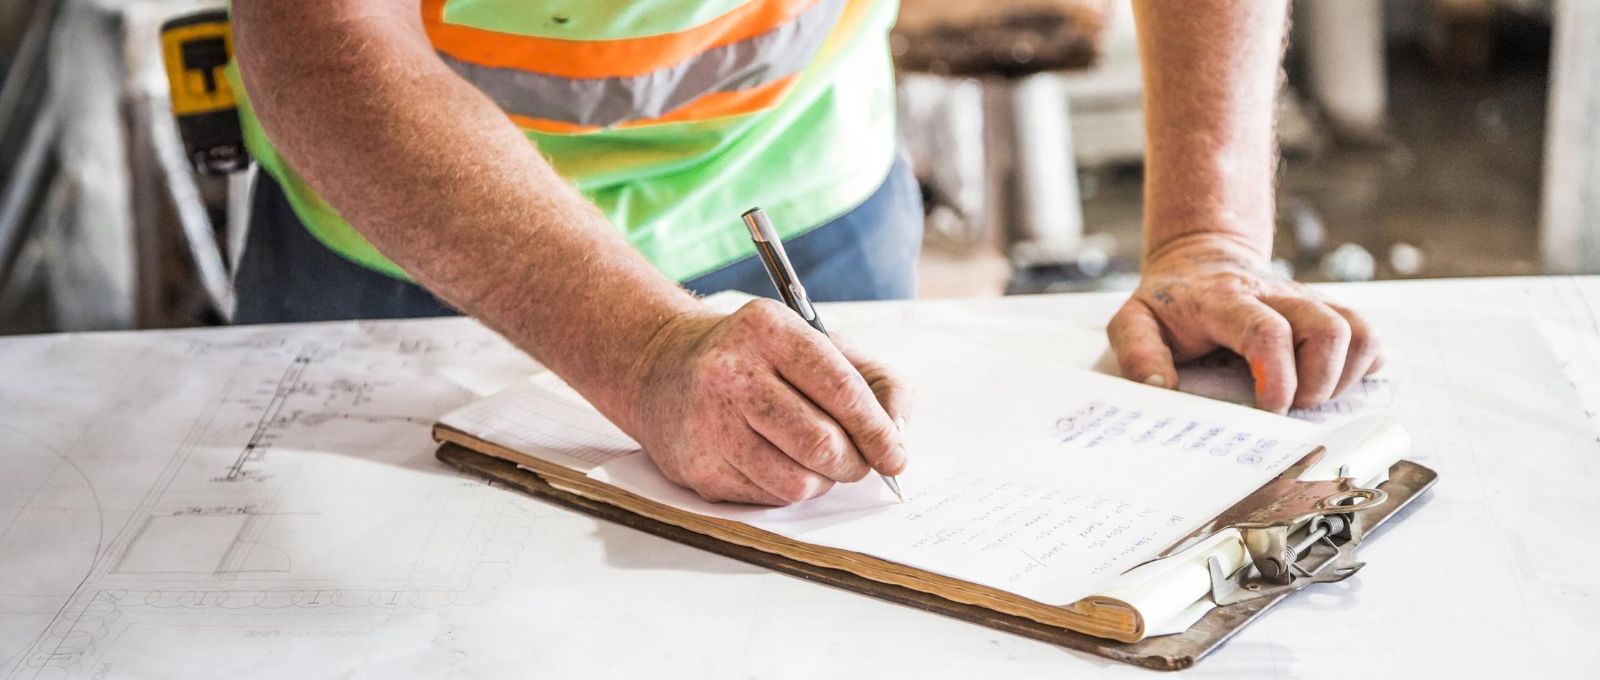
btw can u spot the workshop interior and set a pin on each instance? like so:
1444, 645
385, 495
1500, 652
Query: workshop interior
1043, 406
1419, 139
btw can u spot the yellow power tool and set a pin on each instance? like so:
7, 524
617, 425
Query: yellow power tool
197, 49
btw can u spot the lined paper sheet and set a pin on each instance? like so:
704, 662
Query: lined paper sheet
1027, 475
547, 418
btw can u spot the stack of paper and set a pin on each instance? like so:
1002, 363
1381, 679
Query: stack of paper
1033, 489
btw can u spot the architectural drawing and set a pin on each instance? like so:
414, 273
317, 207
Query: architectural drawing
264, 503
221, 529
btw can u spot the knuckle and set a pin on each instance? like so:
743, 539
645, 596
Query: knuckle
1124, 330
1228, 287
794, 488
1364, 342
854, 473
1122, 319
841, 383
823, 446
867, 365
1140, 357
1360, 340
1268, 331
841, 388
1335, 329
762, 311
882, 381
878, 443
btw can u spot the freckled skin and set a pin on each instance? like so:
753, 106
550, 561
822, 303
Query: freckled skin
1204, 293
1211, 71
756, 407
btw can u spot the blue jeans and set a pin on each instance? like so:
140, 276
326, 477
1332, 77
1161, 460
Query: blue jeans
286, 274
869, 253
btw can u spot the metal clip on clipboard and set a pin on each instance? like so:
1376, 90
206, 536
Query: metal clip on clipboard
1296, 532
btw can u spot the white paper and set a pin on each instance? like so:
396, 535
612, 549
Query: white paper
1225, 376
1049, 486
367, 558
548, 418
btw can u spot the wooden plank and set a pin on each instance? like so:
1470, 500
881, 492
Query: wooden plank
999, 37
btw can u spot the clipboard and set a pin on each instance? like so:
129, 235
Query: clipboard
1406, 482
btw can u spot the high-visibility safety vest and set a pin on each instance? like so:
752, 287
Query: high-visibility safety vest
673, 116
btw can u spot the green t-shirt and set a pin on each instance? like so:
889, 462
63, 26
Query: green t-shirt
672, 116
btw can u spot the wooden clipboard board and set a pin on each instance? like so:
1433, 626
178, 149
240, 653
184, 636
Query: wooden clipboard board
1407, 481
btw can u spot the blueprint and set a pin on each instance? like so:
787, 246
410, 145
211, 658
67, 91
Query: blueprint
264, 503
237, 495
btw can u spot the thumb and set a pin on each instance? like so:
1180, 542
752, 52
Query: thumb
1141, 352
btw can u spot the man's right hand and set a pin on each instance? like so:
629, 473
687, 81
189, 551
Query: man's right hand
758, 407
753, 407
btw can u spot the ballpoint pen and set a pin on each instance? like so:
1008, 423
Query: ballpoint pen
776, 261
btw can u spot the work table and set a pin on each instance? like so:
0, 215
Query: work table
264, 502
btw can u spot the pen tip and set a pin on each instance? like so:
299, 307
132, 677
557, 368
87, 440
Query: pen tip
894, 485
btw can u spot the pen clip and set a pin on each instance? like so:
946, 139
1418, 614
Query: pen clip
802, 304
769, 248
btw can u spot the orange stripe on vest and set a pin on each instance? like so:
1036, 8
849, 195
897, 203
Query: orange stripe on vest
603, 58
708, 106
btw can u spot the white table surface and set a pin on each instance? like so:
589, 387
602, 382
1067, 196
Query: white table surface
264, 503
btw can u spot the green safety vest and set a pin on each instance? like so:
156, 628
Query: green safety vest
672, 116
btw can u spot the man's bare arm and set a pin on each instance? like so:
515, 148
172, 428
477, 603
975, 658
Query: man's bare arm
442, 183
1211, 77
1211, 72
435, 176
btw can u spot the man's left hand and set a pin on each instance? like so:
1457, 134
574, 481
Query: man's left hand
1203, 292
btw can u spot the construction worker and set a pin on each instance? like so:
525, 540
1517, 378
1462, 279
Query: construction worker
567, 171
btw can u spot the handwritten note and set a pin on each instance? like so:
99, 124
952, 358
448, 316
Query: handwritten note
1026, 475
1049, 486
1100, 424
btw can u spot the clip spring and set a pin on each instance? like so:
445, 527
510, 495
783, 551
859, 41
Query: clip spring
1296, 533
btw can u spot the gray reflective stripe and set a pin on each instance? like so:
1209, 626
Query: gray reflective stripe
603, 102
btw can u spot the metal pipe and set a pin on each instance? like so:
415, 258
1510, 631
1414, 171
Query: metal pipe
1049, 215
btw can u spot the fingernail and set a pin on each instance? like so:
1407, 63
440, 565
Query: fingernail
900, 424
900, 449
1156, 380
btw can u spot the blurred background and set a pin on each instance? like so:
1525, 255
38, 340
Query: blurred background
1420, 138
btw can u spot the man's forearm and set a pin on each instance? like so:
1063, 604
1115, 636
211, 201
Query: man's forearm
435, 176
1211, 72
